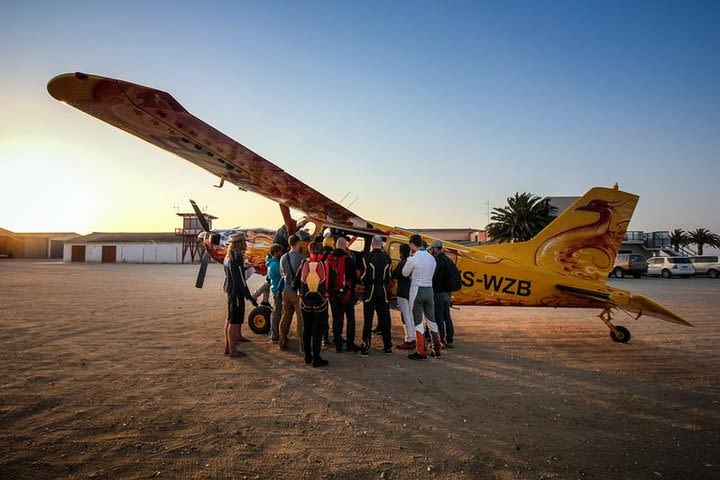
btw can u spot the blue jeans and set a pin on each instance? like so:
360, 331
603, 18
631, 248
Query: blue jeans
442, 317
275, 317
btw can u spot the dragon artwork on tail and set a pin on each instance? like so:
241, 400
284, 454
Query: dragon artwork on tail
587, 251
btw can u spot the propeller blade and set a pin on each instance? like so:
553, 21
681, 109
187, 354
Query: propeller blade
200, 216
203, 270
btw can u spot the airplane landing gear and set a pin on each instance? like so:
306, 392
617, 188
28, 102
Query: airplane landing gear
617, 333
259, 319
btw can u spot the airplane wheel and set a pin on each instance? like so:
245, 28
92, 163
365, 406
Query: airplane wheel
618, 273
666, 274
620, 334
259, 319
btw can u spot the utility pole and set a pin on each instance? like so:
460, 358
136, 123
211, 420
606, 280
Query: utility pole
487, 209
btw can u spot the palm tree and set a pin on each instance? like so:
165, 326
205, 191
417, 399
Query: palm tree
702, 237
678, 238
525, 215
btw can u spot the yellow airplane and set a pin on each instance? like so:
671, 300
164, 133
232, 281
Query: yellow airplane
566, 265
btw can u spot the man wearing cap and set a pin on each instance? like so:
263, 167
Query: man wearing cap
441, 293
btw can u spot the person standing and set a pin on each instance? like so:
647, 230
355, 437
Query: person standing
289, 265
328, 244
275, 277
311, 284
420, 267
340, 267
237, 291
441, 293
375, 279
281, 234
403, 299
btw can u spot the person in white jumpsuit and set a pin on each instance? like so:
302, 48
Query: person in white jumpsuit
420, 267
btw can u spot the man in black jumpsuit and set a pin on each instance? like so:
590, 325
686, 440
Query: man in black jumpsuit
375, 278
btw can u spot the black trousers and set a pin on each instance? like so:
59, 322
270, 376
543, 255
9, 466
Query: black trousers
377, 304
341, 310
314, 324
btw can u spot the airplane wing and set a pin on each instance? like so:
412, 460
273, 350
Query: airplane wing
156, 117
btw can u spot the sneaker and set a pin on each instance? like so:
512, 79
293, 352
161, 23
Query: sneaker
387, 350
363, 351
352, 348
417, 356
406, 346
320, 362
449, 345
338, 347
308, 360
435, 354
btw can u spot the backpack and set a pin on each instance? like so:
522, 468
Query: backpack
453, 281
313, 287
338, 284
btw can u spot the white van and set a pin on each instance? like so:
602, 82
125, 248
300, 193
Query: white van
668, 267
706, 265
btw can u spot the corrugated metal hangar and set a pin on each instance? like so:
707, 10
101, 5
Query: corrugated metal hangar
33, 245
125, 248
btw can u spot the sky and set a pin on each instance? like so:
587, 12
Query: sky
425, 112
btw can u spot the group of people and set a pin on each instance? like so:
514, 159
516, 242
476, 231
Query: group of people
330, 280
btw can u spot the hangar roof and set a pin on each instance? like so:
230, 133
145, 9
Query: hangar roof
51, 235
132, 237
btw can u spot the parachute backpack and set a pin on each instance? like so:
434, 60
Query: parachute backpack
313, 287
337, 278
454, 281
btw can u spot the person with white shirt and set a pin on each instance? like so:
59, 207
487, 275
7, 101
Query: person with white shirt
420, 267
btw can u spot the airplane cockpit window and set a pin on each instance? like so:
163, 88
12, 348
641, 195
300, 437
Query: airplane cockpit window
358, 245
394, 251
313, 229
452, 256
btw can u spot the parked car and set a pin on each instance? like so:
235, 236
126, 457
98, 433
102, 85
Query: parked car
629, 264
706, 265
671, 266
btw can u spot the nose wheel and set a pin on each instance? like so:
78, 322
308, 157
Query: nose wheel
259, 319
617, 332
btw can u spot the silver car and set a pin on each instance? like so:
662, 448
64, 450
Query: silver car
706, 265
668, 267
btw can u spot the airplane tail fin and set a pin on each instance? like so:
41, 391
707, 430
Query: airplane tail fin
582, 241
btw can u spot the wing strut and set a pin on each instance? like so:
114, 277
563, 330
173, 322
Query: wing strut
289, 224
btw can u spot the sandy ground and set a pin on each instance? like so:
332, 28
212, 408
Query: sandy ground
117, 371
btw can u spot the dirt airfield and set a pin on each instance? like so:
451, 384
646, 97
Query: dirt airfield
117, 371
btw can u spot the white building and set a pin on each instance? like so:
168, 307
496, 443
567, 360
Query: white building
124, 248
